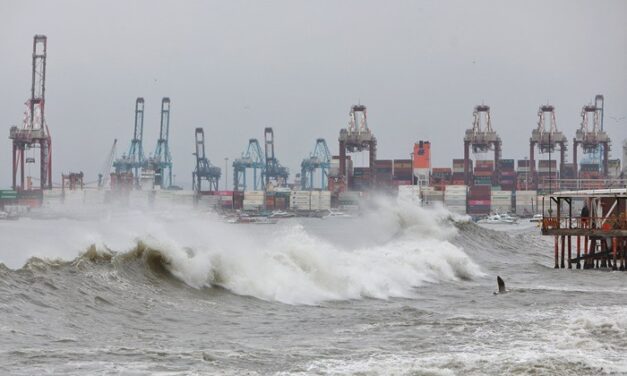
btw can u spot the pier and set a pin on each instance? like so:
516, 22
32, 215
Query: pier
599, 237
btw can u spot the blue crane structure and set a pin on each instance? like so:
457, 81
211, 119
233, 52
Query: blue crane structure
161, 161
319, 159
253, 159
273, 170
134, 160
204, 169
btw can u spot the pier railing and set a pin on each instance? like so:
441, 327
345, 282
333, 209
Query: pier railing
600, 223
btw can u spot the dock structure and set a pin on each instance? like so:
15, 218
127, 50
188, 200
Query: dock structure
598, 232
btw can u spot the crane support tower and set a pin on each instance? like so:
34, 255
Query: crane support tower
161, 161
356, 138
482, 138
34, 132
204, 169
253, 159
320, 159
273, 171
591, 135
134, 161
546, 140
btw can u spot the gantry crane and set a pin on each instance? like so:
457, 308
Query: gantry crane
319, 159
254, 159
34, 132
482, 138
161, 161
546, 140
356, 138
273, 171
592, 137
134, 161
104, 175
204, 169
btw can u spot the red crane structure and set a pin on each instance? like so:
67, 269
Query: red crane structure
34, 133
482, 138
591, 135
546, 140
357, 137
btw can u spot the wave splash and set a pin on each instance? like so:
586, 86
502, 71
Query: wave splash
293, 266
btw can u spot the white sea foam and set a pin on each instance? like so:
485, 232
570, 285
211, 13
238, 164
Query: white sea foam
285, 263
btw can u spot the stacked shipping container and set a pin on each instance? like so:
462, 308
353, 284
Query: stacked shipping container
479, 199
455, 198
484, 171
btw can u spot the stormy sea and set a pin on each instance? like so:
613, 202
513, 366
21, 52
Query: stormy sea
399, 289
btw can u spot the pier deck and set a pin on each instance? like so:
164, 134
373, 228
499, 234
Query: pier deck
599, 237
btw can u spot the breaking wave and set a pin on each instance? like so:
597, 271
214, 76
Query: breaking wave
406, 247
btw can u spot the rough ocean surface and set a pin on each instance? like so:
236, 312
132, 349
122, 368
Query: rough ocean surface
399, 290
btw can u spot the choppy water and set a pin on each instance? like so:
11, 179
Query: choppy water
400, 290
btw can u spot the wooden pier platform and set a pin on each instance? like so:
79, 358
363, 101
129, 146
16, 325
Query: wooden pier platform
599, 238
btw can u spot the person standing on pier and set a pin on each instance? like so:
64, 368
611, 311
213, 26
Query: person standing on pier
585, 214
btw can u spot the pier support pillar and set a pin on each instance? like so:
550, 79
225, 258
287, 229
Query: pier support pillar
556, 252
614, 245
563, 251
578, 251
570, 253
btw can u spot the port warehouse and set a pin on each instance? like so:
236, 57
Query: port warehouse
476, 187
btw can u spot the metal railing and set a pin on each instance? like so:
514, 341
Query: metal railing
611, 222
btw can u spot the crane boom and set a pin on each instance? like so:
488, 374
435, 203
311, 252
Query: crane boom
103, 176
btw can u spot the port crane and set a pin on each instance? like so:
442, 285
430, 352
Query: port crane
104, 175
34, 132
546, 139
204, 169
134, 160
273, 171
590, 135
482, 138
253, 159
161, 161
320, 159
356, 138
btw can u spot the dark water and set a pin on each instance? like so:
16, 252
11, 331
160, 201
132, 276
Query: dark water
398, 291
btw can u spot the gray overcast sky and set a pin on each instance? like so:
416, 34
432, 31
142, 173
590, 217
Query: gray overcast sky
235, 67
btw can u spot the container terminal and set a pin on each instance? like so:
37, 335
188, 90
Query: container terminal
261, 183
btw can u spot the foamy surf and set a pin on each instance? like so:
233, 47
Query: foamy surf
284, 263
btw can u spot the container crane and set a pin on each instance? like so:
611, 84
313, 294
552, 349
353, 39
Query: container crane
319, 159
161, 161
253, 159
103, 176
591, 135
546, 140
273, 170
135, 159
482, 138
204, 169
34, 132
356, 138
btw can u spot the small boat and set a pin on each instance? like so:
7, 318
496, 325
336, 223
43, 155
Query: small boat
536, 218
336, 214
499, 219
281, 214
252, 220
